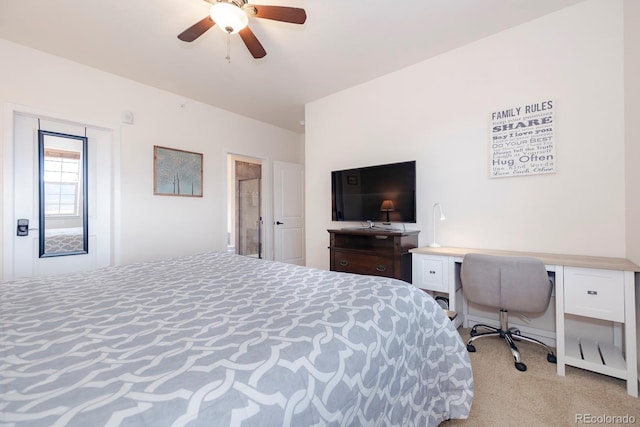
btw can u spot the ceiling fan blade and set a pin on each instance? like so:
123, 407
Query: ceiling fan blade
252, 43
196, 30
293, 15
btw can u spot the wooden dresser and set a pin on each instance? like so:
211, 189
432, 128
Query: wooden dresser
373, 251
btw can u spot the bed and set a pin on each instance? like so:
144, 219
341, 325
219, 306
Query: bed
63, 240
219, 339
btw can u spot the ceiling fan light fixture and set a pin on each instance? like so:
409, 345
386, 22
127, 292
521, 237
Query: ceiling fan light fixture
229, 17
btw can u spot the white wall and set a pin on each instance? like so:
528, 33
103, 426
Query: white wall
438, 113
632, 138
151, 226
632, 130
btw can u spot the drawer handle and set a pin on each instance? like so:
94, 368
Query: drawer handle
432, 272
344, 262
381, 268
592, 292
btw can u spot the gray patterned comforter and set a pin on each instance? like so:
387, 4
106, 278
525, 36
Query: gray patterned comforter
224, 340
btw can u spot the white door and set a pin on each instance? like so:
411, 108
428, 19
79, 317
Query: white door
22, 255
288, 212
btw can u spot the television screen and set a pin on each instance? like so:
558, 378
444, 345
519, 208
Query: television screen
382, 193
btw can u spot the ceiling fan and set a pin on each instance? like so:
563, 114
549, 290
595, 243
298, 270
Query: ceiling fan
232, 16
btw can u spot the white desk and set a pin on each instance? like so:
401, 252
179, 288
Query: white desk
585, 287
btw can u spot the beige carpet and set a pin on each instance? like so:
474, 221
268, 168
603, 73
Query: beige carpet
539, 397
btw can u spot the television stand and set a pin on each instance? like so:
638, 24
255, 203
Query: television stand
373, 251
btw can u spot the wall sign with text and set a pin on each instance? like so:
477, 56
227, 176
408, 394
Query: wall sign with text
522, 140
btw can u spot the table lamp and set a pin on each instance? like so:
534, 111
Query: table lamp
387, 206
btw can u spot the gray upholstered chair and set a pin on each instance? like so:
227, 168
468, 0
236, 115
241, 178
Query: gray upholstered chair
518, 284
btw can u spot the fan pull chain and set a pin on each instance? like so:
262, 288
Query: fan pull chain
229, 47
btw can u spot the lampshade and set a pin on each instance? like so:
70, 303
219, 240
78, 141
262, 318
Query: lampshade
387, 206
229, 17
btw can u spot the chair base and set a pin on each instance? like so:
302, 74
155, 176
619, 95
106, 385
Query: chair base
510, 335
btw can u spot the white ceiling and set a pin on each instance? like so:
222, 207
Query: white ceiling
342, 44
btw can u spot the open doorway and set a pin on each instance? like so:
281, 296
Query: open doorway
245, 223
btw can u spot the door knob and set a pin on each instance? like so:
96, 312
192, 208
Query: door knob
279, 223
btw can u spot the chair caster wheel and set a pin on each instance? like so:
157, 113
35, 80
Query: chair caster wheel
473, 332
551, 358
471, 348
521, 366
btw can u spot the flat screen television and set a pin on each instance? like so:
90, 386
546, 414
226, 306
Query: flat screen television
382, 193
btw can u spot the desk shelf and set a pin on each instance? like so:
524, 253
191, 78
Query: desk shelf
596, 357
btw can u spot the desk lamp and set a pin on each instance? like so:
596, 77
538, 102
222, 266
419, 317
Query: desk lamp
442, 218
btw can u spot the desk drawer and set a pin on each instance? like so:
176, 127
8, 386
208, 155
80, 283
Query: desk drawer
431, 273
360, 263
594, 293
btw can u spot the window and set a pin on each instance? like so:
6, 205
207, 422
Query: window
62, 182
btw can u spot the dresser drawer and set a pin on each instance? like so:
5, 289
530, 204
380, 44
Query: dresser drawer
362, 263
431, 273
594, 293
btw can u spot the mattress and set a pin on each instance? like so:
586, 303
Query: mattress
64, 240
218, 339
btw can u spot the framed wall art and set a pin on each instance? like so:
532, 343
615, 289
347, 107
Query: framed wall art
176, 172
522, 140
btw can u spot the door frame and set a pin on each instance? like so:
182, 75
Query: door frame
8, 206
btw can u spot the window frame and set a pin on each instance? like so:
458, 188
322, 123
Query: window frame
62, 157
